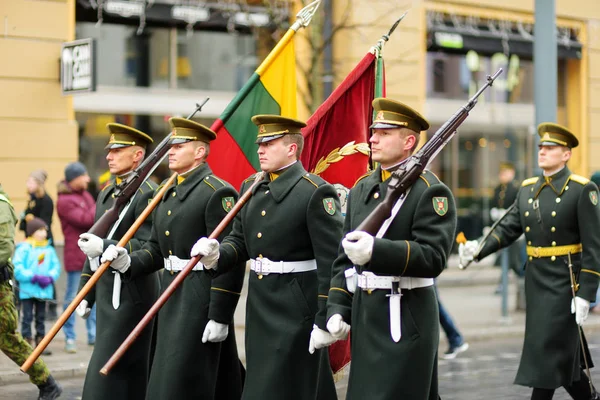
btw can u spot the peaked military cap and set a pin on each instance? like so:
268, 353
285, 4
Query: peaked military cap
125, 136
552, 134
272, 127
390, 114
185, 130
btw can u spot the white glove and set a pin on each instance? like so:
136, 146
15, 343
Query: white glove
337, 327
580, 307
358, 246
466, 251
91, 245
83, 310
215, 332
208, 249
319, 339
118, 256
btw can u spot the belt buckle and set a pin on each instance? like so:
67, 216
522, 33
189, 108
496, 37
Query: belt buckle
258, 268
536, 252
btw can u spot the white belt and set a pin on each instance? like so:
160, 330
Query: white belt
372, 282
264, 266
174, 263
369, 281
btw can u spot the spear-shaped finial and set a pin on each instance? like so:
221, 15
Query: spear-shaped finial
305, 15
198, 108
386, 37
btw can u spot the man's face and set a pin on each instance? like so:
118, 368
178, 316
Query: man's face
32, 185
121, 160
81, 182
506, 175
275, 154
551, 158
185, 156
390, 146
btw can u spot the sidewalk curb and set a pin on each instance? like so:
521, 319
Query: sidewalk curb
18, 377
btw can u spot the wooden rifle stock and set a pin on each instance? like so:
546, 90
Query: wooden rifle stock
408, 173
94, 278
175, 284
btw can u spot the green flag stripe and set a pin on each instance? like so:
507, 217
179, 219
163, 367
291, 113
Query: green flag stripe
256, 100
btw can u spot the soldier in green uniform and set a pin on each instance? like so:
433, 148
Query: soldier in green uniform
382, 286
11, 342
289, 230
559, 214
195, 341
120, 305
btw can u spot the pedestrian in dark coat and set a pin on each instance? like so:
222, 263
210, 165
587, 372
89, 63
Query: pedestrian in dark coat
559, 214
195, 342
40, 204
120, 304
289, 230
382, 286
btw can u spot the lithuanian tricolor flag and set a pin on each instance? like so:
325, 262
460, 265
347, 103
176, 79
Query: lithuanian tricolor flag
270, 90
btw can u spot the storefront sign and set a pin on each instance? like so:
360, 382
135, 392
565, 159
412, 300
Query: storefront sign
78, 66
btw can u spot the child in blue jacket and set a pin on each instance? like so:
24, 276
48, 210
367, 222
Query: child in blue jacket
36, 268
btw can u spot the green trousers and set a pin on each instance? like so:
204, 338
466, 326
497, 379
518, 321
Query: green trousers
12, 343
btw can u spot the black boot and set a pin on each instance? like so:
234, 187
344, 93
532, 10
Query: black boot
50, 390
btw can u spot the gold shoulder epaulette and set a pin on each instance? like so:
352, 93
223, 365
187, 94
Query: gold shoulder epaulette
206, 181
579, 179
363, 177
218, 179
530, 181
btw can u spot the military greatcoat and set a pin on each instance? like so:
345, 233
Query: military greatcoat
416, 244
558, 214
184, 367
129, 378
295, 217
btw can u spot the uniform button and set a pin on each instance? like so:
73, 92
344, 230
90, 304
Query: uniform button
376, 195
553, 243
167, 233
553, 229
530, 201
527, 229
260, 277
567, 187
530, 258
558, 199
259, 235
267, 192
169, 212
263, 213
553, 258
527, 213
529, 243
174, 194
554, 213
170, 253
260, 256
112, 195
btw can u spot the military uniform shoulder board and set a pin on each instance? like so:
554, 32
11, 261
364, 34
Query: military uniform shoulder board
308, 178
579, 179
363, 177
530, 181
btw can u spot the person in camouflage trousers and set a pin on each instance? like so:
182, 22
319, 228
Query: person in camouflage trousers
11, 342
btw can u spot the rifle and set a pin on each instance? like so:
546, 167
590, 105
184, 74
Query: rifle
128, 188
169, 290
408, 173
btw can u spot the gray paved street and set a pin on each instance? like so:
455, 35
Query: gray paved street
485, 371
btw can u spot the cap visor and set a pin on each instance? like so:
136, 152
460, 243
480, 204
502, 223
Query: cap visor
178, 141
265, 139
381, 125
115, 146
